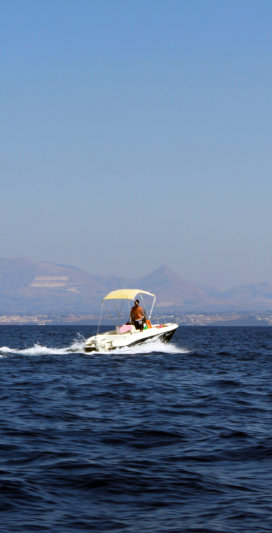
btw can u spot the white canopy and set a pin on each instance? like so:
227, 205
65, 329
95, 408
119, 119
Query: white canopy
125, 294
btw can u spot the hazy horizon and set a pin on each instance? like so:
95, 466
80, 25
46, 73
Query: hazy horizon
143, 275
136, 134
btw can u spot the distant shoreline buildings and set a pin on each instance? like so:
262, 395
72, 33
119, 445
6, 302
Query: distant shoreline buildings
185, 319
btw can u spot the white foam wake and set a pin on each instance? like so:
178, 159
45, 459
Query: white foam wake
77, 346
154, 346
147, 348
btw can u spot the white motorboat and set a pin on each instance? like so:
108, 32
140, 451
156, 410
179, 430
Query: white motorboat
125, 335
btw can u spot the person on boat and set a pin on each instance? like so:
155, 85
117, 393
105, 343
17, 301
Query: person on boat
137, 316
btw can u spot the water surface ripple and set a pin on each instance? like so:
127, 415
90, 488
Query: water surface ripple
156, 438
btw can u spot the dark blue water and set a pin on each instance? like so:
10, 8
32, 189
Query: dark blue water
158, 438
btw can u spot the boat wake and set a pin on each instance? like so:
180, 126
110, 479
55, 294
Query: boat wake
77, 347
150, 347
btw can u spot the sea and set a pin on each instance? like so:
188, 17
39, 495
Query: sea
156, 438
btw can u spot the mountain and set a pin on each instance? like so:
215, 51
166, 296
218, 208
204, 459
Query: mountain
33, 287
250, 296
172, 290
28, 286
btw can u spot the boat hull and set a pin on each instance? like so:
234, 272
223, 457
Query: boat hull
111, 340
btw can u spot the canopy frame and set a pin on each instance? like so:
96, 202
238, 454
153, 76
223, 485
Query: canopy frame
126, 294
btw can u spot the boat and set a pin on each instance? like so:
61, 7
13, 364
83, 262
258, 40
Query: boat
125, 334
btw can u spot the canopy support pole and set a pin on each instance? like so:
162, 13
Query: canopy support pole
151, 311
100, 319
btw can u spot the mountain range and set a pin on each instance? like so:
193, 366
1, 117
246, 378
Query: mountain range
30, 287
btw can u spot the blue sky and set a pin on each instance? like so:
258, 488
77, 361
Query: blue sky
138, 133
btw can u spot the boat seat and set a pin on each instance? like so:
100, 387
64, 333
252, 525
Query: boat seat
125, 328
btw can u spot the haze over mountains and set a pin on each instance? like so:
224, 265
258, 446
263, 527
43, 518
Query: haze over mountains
28, 286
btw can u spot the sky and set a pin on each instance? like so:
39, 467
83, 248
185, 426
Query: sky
136, 133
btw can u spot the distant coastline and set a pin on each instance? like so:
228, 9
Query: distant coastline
241, 318
40, 292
